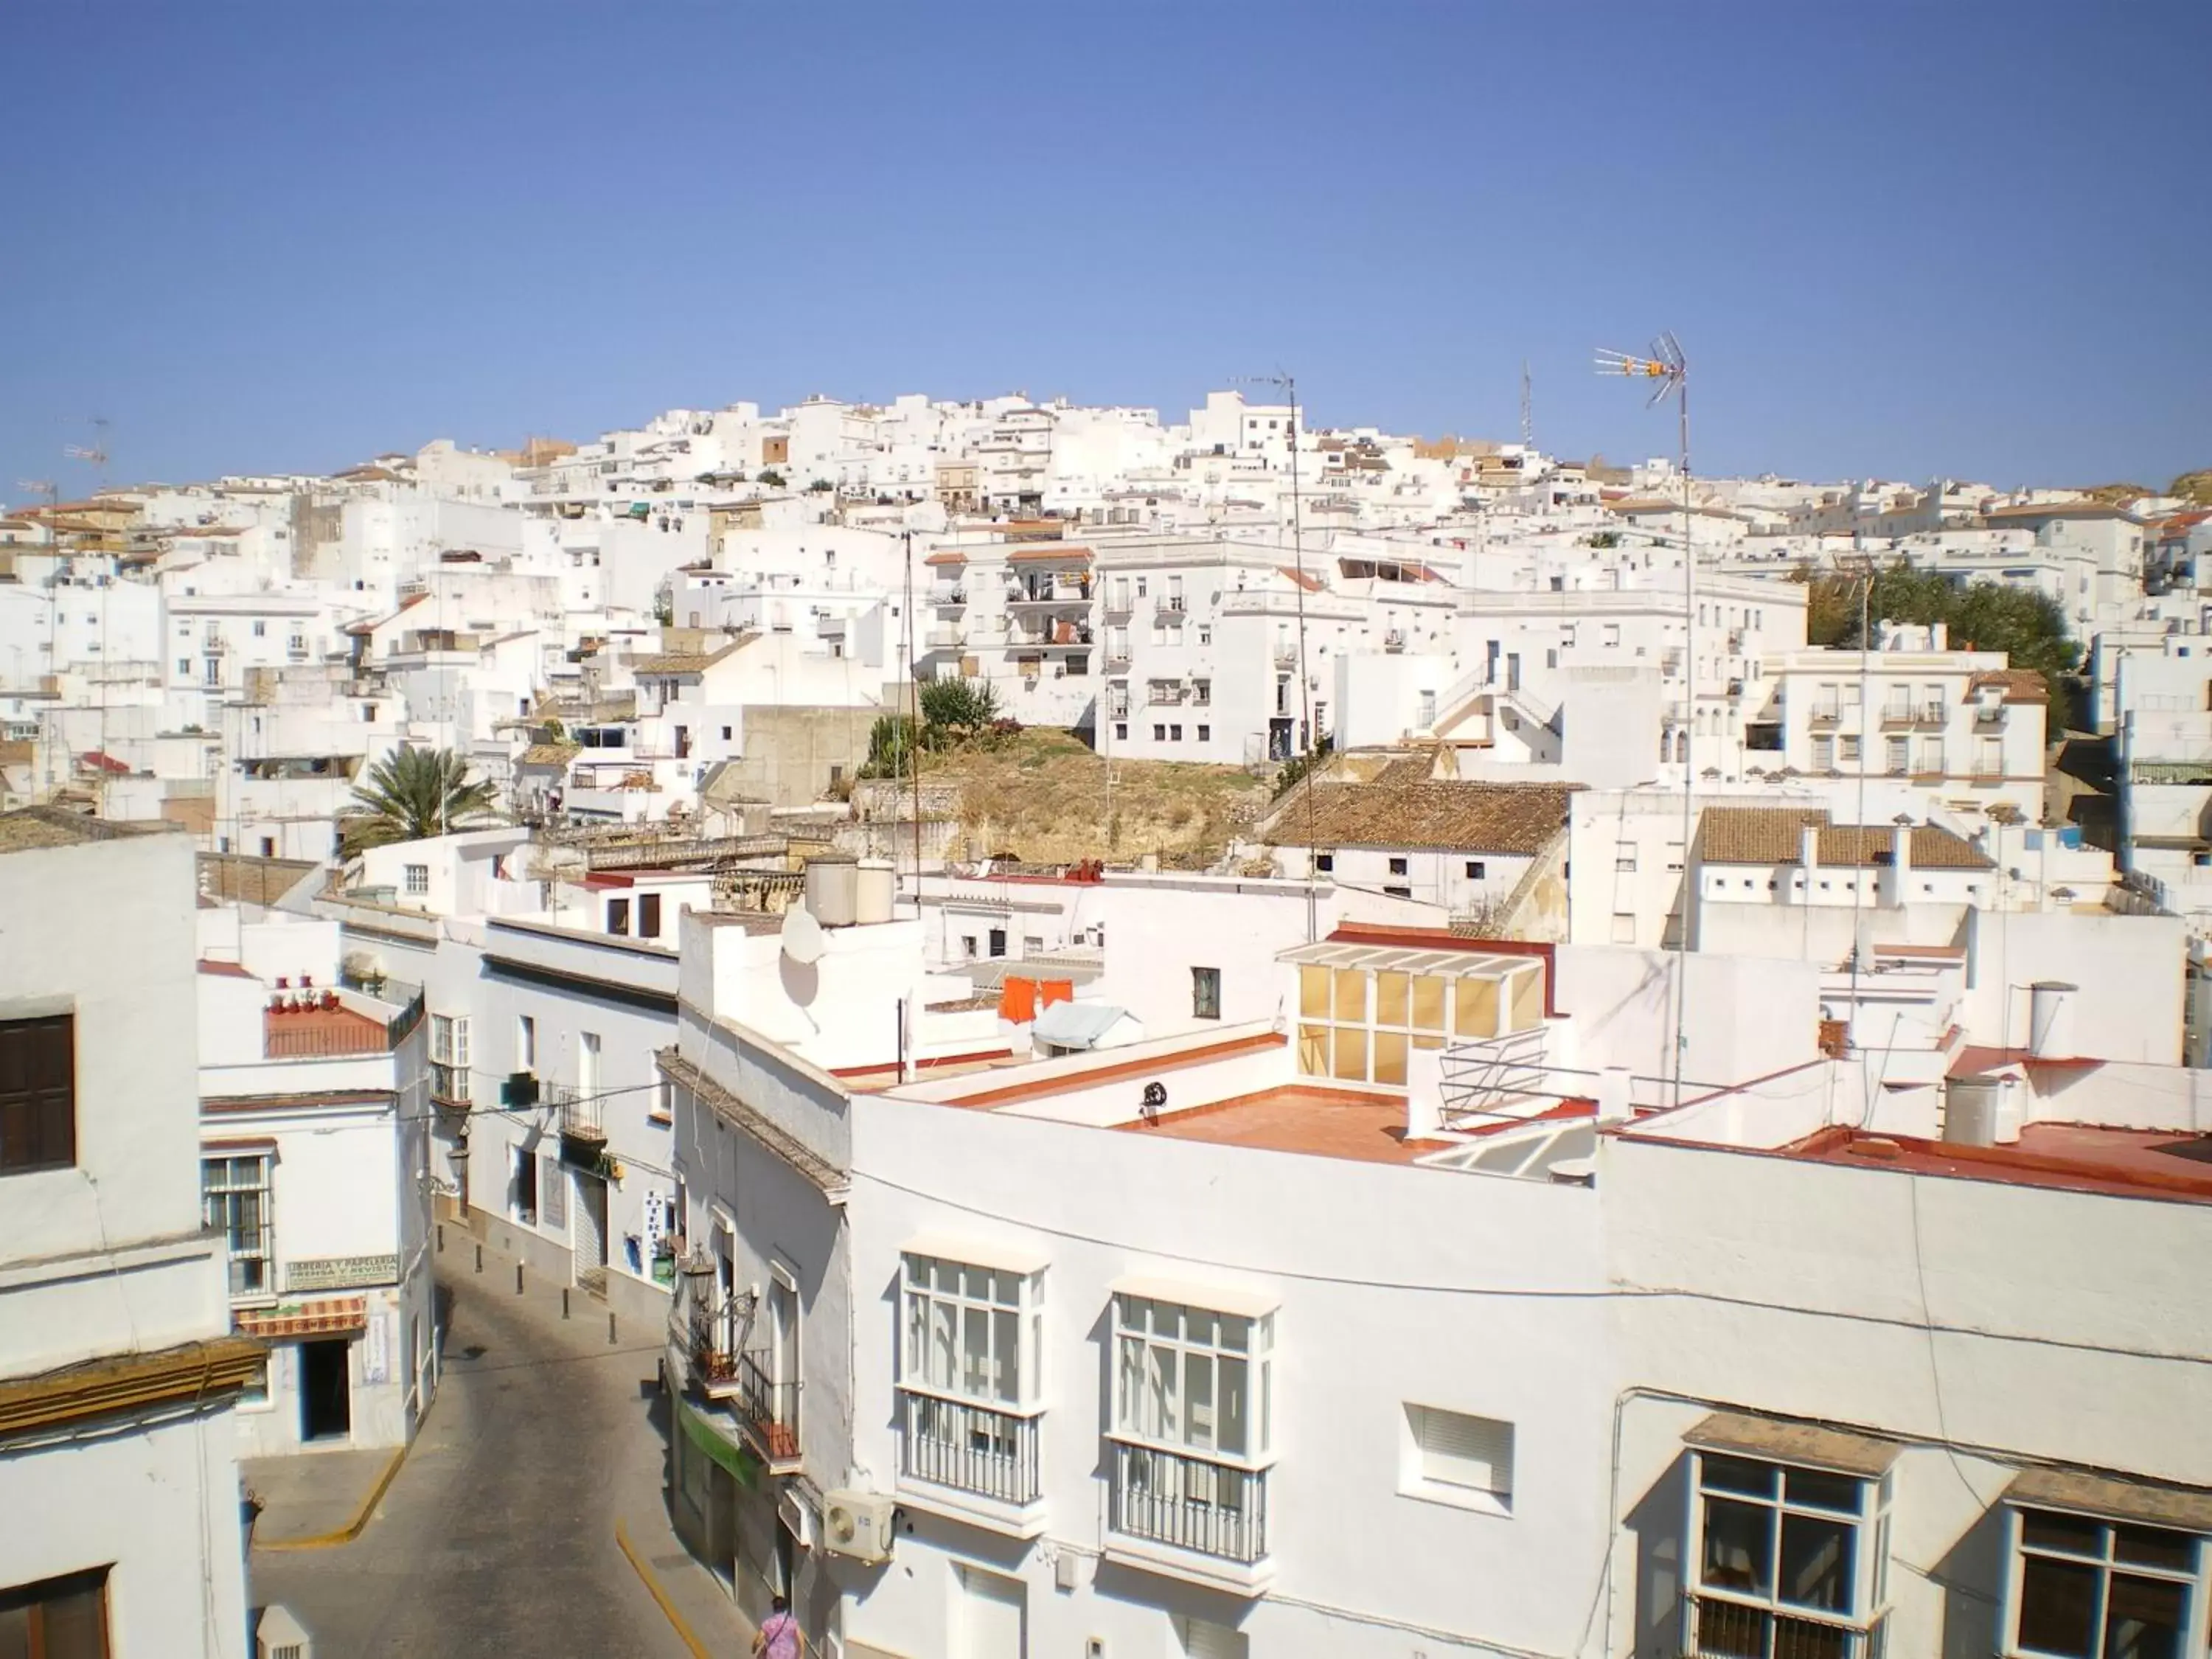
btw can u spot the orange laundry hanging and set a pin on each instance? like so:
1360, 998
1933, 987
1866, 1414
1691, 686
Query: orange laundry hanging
1017, 999
1054, 990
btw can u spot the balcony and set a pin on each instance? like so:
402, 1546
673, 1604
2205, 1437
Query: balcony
1826, 717
770, 1410
580, 1115
1191, 1517
948, 599
1897, 715
1716, 1628
1170, 604
1286, 656
1933, 714
987, 1458
946, 639
1990, 716
1394, 639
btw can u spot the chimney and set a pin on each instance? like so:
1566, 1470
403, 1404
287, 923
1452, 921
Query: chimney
1939, 636
1808, 857
1897, 878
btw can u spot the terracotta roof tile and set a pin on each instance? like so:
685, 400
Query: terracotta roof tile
1772, 835
1477, 818
2018, 684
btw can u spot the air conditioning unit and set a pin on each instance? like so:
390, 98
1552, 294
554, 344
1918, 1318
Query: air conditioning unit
858, 1525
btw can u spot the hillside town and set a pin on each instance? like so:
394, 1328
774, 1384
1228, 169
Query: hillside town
996, 1028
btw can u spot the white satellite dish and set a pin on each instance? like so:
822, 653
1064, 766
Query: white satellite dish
802, 935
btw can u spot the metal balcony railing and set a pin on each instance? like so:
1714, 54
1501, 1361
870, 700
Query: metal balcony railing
770, 1408
970, 1448
1715, 1628
1190, 1502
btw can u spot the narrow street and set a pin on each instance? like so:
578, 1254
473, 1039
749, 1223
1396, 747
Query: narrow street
497, 1535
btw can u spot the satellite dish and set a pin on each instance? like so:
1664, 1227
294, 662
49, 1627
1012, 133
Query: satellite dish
802, 935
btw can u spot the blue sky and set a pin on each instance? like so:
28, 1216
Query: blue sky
1956, 237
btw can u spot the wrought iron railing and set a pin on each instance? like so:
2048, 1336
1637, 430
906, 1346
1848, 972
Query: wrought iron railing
770, 1408
1718, 1628
1190, 1502
973, 1449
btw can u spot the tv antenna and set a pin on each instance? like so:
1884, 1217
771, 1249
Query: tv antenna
1668, 371
1527, 424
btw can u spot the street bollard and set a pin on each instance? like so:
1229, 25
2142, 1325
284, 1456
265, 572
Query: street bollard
479, 1258
564, 1301
610, 1330
518, 1279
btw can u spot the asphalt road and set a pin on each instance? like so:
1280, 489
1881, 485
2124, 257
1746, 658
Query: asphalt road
497, 1536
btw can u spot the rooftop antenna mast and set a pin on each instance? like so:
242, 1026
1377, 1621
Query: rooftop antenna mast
51, 491
1668, 372
1308, 739
1527, 424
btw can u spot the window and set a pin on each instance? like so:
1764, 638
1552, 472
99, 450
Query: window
648, 915
1425, 711
2083, 1588
1121, 731
1781, 1554
588, 1064
1397, 866
1159, 734
1324, 862
37, 1094
1476, 870
1847, 747
526, 1043
963, 1331
416, 878
1458, 1459
260, 628
1188, 1377
618, 916
1205, 734
1895, 755
1624, 927
235, 1201
1397, 892
55, 1618
449, 1057
1624, 861
1205, 993
522, 1185
1823, 754
1175, 734
725, 734
1206, 633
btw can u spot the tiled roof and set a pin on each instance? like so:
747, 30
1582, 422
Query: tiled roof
2056, 510
2018, 684
1476, 818
1771, 835
548, 754
679, 662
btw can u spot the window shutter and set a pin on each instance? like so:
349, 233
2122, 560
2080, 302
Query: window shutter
1459, 1450
38, 1093
1204, 1639
553, 1195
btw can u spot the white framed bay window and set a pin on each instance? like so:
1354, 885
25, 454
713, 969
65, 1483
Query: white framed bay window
2100, 1568
1788, 1541
971, 1339
1191, 1417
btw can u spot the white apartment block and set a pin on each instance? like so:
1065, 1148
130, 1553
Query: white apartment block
120, 1375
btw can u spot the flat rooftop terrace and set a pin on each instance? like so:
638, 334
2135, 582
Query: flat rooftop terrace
2071, 1157
1315, 1120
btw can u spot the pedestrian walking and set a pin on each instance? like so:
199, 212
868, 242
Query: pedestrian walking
778, 1636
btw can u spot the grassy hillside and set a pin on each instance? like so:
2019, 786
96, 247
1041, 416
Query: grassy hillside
1043, 796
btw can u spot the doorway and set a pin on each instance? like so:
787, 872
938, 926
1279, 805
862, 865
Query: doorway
590, 1242
988, 1615
325, 1391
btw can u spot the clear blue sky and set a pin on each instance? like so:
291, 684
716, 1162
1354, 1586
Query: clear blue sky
1955, 237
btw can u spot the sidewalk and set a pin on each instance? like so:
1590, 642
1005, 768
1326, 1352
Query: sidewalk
693, 1600
310, 1500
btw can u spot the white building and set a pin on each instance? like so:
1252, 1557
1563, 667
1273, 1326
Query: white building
119, 1374
314, 1161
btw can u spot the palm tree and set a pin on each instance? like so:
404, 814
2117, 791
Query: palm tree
412, 795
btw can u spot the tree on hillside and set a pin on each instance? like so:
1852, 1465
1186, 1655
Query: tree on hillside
891, 742
2024, 624
959, 701
413, 794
